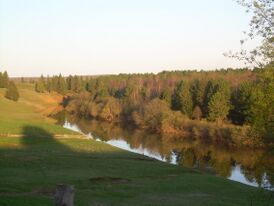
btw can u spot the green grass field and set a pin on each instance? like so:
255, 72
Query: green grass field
14, 116
32, 164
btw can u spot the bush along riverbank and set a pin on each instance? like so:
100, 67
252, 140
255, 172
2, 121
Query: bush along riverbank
230, 107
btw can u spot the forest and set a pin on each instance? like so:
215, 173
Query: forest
232, 106
225, 106
137, 103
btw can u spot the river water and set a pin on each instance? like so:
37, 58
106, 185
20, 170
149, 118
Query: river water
248, 166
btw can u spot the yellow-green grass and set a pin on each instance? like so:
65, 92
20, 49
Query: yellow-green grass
31, 167
34, 163
14, 116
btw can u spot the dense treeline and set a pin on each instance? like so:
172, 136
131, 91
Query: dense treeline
12, 91
176, 102
55, 83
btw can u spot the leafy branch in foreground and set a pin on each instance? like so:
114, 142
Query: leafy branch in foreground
262, 27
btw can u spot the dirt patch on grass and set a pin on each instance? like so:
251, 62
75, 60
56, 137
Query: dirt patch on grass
111, 180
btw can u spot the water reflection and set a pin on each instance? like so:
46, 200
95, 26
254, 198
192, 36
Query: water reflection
248, 166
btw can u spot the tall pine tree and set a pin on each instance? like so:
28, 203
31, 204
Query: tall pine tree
5, 79
62, 86
182, 99
217, 91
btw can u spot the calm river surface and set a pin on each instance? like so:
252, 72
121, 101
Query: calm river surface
248, 166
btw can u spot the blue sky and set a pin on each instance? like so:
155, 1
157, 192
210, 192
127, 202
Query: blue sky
118, 36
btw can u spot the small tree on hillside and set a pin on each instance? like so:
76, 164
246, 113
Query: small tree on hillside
12, 92
4, 80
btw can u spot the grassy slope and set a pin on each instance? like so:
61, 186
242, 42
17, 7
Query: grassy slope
31, 166
14, 116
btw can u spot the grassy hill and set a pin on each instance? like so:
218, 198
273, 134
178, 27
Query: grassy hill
31, 109
33, 161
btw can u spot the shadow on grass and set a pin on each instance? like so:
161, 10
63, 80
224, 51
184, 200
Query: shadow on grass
39, 141
31, 131
102, 176
38, 161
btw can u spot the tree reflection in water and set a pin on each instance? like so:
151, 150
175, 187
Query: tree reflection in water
250, 166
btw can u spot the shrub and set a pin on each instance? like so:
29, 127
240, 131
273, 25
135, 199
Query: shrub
12, 92
197, 113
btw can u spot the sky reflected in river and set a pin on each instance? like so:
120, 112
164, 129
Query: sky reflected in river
248, 166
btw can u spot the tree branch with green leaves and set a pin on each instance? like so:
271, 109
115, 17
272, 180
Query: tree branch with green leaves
261, 26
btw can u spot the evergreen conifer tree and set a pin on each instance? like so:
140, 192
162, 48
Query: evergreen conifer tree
12, 92
5, 79
182, 99
62, 86
218, 107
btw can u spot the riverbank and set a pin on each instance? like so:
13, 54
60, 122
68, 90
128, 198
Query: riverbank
34, 163
246, 165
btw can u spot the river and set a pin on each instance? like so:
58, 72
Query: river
245, 165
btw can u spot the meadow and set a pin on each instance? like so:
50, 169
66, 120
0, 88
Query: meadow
36, 155
31, 109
